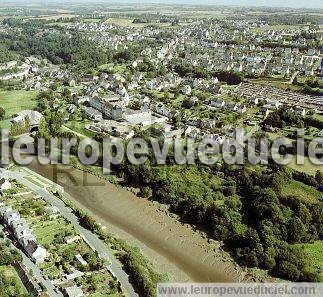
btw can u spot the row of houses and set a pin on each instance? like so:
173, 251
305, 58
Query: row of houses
20, 229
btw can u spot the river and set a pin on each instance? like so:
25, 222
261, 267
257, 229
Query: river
173, 247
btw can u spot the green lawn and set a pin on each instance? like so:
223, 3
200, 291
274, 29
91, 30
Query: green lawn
17, 288
15, 101
79, 127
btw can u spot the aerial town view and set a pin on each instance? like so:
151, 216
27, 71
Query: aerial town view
161, 148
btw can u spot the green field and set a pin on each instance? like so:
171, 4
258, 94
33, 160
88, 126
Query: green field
79, 127
276, 28
15, 101
308, 167
124, 22
277, 82
315, 256
17, 288
304, 192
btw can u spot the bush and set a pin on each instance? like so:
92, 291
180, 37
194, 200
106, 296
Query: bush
288, 270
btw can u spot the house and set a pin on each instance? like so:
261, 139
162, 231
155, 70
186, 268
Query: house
36, 252
232, 106
8, 65
31, 285
138, 77
4, 184
309, 71
73, 274
219, 103
193, 122
81, 100
53, 212
80, 259
70, 239
300, 111
23, 234
242, 109
92, 113
162, 109
272, 104
268, 128
72, 83
73, 292
33, 116
254, 100
144, 101
18, 223
207, 123
186, 90
10, 215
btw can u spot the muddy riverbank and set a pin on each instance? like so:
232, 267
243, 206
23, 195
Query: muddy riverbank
173, 247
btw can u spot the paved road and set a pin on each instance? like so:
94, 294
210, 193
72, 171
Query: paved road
293, 77
90, 238
37, 273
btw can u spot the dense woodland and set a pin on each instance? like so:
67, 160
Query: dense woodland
54, 45
242, 206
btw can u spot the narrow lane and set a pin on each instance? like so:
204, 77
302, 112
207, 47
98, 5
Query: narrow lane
37, 273
91, 239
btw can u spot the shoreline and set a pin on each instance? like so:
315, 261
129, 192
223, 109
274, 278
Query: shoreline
172, 247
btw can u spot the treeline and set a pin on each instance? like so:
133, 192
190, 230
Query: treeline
7, 257
243, 207
290, 19
18, 128
56, 46
245, 210
284, 116
229, 77
311, 86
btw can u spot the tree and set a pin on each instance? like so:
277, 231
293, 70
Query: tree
288, 271
297, 230
69, 254
318, 177
2, 113
187, 103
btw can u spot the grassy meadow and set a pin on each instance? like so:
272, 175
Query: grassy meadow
14, 102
